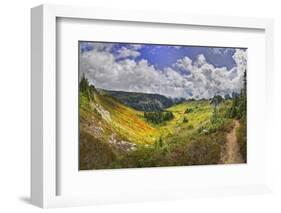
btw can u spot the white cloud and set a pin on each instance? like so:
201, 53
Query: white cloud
202, 80
136, 46
200, 60
184, 64
99, 46
126, 52
221, 51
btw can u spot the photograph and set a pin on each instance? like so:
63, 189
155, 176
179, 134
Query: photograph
160, 105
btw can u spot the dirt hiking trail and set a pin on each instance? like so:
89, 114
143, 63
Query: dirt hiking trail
231, 153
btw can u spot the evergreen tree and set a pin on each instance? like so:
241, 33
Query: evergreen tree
160, 142
86, 88
84, 84
158, 117
239, 102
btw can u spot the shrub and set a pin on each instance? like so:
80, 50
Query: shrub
190, 126
188, 110
242, 138
158, 117
185, 120
93, 153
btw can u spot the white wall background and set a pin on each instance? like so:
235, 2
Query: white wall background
15, 105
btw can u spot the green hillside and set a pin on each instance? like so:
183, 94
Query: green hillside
114, 135
141, 101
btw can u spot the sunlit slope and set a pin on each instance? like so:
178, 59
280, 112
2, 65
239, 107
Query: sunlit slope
141, 101
184, 123
129, 124
113, 135
123, 121
127, 121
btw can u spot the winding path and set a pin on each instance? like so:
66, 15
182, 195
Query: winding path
231, 153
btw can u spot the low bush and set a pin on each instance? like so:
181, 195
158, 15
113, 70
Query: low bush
185, 120
93, 153
242, 138
188, 110
158, 117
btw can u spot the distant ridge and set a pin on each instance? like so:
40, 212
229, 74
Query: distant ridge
142, 101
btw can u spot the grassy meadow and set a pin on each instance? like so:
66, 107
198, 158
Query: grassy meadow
113, 134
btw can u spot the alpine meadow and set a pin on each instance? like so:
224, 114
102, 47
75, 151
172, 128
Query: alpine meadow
152, 105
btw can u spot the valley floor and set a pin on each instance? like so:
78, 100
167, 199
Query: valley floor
113, 135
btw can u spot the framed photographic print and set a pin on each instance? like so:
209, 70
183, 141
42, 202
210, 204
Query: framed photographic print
149, 106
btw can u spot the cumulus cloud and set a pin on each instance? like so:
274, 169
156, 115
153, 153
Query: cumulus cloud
184, 64
136, 46
208, 80
200, 60
221, 51
107, 47
125, 52
186, 78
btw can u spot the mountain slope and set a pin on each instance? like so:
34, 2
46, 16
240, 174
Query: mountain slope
141, 101
114, 135
109, 129
106, 113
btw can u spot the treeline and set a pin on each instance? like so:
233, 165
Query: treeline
238, 110
239, 103
142, 101
158, 117
87, 89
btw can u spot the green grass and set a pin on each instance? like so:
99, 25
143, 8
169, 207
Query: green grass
178, 127
192, 137
125, 121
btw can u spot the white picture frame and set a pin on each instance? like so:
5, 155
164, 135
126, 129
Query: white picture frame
44, 154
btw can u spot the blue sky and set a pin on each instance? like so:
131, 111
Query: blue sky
162, 56
172, 62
